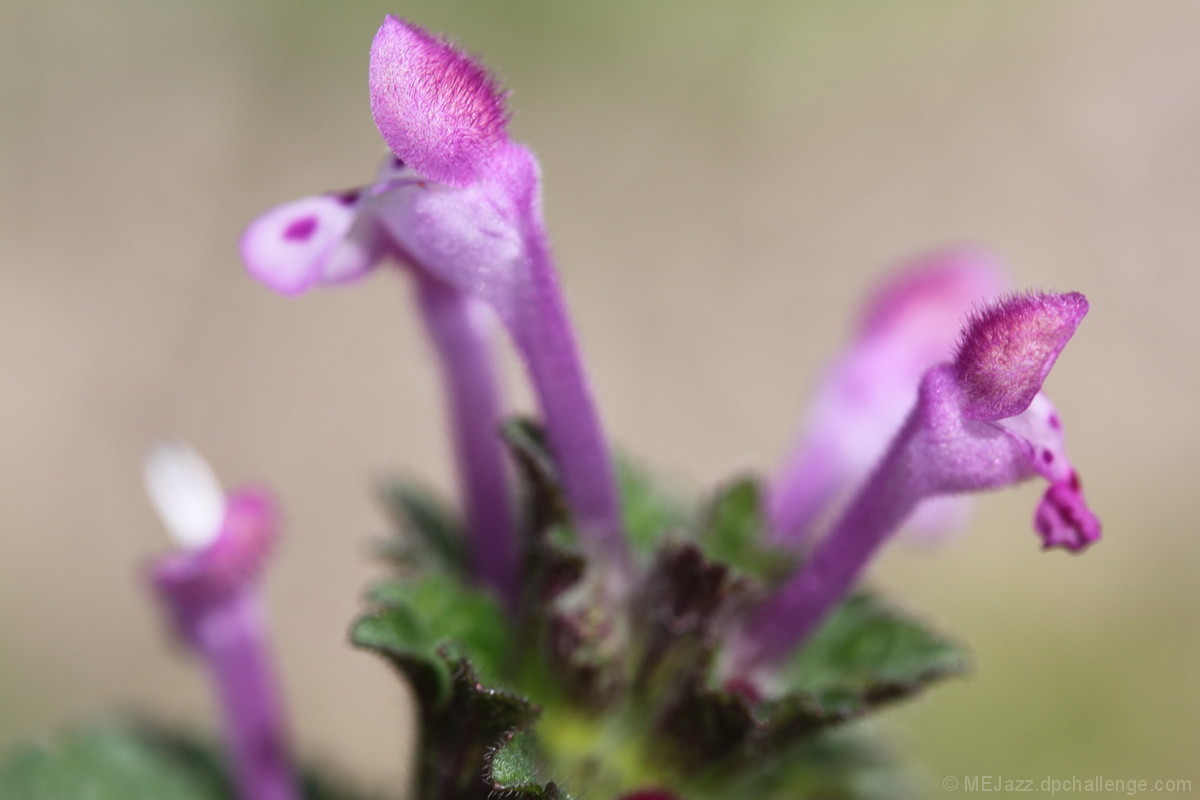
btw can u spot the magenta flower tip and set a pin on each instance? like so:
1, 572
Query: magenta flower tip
1008, 348
247, 536
436, 107
233, 560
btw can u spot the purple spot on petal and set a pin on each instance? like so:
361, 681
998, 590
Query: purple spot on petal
397, 162
300, 229
348, 197
1047, 457
1055, 422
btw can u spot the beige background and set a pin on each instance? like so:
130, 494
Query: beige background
723, 181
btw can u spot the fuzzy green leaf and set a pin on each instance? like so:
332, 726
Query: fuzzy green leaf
427, 624
427, 529
731, 531
650, 511
868, 654
515, 770
847, 763
433, 612
106, 763
545, 501
453, 643
134, 761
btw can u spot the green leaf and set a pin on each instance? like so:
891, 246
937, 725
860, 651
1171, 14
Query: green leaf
453, 643
546, 504
428, 530
432, 621
134, 761
650, 512
567, 606
868, 654
732, 531
105, 763
627, 685
515, 769
847, 763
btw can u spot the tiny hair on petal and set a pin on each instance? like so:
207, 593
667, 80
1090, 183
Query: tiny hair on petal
436, 107
1008, 348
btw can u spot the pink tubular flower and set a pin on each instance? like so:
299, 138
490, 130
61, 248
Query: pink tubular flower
460, 204
210, 588
909, 325
980, 422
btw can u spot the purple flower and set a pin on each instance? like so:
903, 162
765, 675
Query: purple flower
460, 205
980, 422
210, 589
908, 326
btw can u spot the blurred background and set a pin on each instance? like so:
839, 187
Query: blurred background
723, 183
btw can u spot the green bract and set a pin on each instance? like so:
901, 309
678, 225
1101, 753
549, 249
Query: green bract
596, 693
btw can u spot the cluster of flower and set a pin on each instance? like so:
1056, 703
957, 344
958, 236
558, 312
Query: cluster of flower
938, 395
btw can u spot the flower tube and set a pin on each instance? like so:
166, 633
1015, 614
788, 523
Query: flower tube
209, 587
980, 422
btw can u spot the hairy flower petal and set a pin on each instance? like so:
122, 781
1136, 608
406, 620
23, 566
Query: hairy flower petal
1009, 347
437, 108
